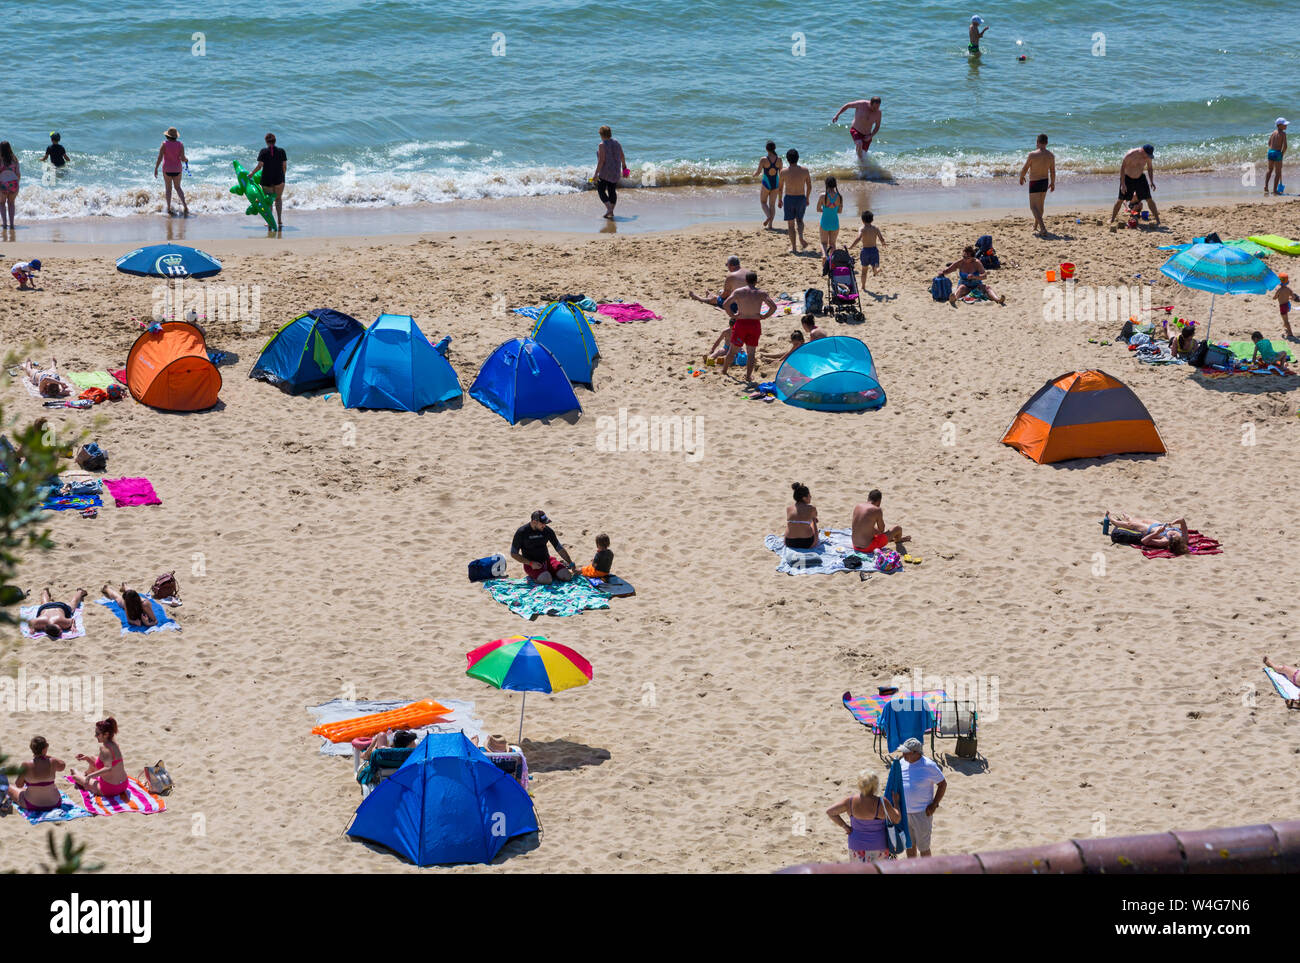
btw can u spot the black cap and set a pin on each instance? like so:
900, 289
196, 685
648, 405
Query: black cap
540, 516
1151, 151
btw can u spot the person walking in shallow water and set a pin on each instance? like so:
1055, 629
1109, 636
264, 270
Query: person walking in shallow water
611, 165
171, 157
1276, 151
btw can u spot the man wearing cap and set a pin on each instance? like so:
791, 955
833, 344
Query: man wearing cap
975, 34
1276, 151
1133, 183
734, 278
529, 548
923, 789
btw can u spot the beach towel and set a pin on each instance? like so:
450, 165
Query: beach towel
528, 600
1245, 350
28, 612
460, 718
898, 834
67, 810
136, 799
119, 375
66, 503
91, 379
824, 558
902, 720
132, 491
164, 621
1197, 544
532, 312
627, 312
1285, 688
867, 709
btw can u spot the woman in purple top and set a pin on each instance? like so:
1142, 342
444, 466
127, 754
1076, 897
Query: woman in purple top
866, 826
611, 165
171, 155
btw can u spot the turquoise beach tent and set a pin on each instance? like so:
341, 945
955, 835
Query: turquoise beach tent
521, 379
566, 333
394, 366
309, 351
830, 374
448, 803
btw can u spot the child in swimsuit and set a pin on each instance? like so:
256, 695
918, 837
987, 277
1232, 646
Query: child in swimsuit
871, 239
603, 561
22, 272
1267, 354
1285, 296
830, 204
975, 34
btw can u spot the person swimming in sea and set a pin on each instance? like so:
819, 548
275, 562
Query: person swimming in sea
56, 153
769, 170
975, 34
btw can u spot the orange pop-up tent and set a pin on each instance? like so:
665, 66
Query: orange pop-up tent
1083, 414
169, 369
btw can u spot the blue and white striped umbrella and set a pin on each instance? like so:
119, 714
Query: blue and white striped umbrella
1219, 269
169, 261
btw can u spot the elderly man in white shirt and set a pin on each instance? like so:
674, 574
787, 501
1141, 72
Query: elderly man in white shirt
923, 786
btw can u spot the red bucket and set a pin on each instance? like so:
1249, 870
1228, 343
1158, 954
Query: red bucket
1067, 270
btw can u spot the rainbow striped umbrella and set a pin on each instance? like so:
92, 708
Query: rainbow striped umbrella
528, 663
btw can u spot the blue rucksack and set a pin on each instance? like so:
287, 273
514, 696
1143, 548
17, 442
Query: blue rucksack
482, 569
812, 301
941, 288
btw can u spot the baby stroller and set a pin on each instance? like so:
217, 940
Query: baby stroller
842, 287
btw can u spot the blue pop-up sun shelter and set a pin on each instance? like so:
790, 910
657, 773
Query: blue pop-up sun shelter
448, 803
566, 333
309, 352
830, 374
394, 366
522, 379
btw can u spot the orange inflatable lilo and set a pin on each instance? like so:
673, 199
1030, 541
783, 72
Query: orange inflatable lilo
417, 714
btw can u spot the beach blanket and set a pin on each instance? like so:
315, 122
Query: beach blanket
91, 379
1197, 543
1285, 688
528, 600
67, 810
627, 312
461, 718
824, 558
132, 491
1245, 350
164, 621
28, 612
136, 799
867, 709
534, 311
66, 503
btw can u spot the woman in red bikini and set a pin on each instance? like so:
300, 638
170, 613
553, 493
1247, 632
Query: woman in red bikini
33, 788
108, 777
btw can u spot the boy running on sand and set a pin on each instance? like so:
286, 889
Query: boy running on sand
871, 240
1285, 296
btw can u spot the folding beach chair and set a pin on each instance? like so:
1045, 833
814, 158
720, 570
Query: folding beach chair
867, 710
959, 721
382, 764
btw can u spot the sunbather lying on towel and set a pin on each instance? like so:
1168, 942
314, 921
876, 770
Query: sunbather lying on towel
1152, 534
34, 787
1288, 672
54, 618
137, 612
48, 381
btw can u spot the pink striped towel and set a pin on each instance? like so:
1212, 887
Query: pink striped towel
136, 799
132, 491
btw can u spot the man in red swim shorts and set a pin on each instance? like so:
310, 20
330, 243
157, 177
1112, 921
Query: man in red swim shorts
749, 305
866, 122
869, 532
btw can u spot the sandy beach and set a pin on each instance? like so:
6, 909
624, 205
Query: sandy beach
1126, 694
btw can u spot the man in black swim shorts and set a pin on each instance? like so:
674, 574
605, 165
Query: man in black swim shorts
1040, 166
54, 618
1134, 184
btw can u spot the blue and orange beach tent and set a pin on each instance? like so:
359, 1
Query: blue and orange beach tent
1083, 414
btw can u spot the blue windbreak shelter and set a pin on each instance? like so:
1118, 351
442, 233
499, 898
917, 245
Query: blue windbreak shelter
448, 803
521, 379
395, 366
830, 374
309, 352
566, 333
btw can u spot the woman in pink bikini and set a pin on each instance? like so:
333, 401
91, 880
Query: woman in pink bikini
34, 788
108, 775
171, 156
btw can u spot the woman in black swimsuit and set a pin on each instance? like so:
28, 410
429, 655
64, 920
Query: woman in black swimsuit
34, 787
801, 519
769, 169
60, 617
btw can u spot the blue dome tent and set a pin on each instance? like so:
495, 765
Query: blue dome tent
566, 333
394, 366
521, 379
448, 803
830, 374
309, 352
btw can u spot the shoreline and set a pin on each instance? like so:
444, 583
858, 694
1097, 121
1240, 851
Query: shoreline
642, 211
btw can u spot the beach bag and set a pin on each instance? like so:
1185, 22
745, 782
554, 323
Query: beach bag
812, 301
482, 569
1216, 357
156, 779
1124, 536
165, 587
1197, 357
941, 288
967, 747
983, 244
888, 560
91, 457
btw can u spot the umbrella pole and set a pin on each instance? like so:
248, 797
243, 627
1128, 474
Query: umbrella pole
522, 703
1211, 321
